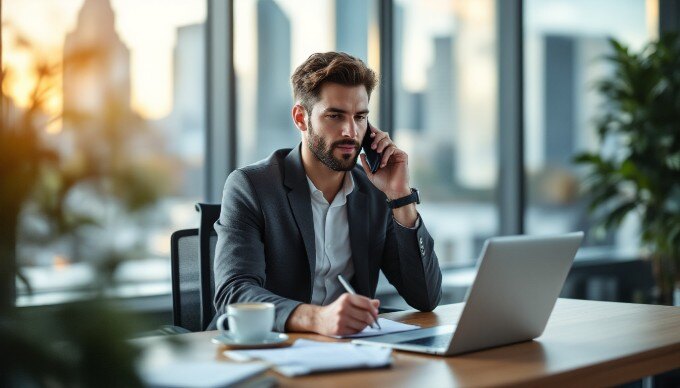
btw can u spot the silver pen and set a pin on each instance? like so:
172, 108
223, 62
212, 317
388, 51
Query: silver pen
352, 292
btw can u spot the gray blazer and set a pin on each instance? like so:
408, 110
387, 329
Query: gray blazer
265, 241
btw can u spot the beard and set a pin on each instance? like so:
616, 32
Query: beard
324, 153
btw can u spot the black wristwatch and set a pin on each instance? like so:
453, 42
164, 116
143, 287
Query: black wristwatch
403, 201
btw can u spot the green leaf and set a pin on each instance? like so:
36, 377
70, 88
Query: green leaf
587, 158
673, 161
616, 216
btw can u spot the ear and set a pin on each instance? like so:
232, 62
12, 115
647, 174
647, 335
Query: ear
299, 115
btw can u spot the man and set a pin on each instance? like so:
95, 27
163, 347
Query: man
292, 223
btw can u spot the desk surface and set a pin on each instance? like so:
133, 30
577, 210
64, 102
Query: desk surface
585, 342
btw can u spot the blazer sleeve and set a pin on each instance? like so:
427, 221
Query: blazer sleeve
239, 266
411, 265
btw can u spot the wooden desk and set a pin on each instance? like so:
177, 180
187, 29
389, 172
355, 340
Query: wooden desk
585, 344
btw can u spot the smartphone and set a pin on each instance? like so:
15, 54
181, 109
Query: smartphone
372, 156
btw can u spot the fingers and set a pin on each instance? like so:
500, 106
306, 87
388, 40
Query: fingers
364, 164
383, 144
359, 321
363, 309
362, 302
387, 154
351, 326
365, 317
360, 308
350, 314
381, 140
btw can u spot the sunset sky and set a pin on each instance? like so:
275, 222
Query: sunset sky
147, 27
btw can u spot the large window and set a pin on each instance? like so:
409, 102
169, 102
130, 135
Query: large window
273, 37
446, 92
117, 90
565, 45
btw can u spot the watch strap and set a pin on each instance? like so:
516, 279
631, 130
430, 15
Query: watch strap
414, 197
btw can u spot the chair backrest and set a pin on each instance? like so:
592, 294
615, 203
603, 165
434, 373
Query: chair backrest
193, 286
207, 242
186, 285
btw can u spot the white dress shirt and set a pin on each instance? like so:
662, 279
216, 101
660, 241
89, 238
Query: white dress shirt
331, 239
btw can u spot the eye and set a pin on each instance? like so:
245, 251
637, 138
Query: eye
333, 116
361, 118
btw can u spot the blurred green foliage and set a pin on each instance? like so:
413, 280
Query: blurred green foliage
79, 344
637, 169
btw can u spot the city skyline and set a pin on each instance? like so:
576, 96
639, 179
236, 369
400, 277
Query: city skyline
151, 40
151, 44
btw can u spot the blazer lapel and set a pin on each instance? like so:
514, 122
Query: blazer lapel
358, 218
299, 200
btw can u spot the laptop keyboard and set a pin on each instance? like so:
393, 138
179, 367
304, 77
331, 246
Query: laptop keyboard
435, 341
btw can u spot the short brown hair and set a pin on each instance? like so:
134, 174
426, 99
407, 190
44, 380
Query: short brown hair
340, 68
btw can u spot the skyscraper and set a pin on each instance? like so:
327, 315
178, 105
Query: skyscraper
408, 105
439, 118
187, 120
560, 76
274, 96
189, 78
571, 68
96, 65
351, 25
439, 95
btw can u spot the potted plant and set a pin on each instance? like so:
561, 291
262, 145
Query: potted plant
641, 172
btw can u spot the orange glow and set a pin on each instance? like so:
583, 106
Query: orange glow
150, 37
61, 262
476, 10
19, 81
54, 127
20, 63
652, 8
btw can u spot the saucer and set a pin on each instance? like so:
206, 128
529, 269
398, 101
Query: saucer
271, 341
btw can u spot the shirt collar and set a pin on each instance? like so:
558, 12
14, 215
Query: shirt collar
347, 188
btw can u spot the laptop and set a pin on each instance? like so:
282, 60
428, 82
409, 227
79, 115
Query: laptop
518, 281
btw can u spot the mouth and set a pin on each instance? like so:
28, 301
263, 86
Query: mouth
346, 148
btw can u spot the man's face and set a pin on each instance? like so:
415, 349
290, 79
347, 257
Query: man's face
337, 124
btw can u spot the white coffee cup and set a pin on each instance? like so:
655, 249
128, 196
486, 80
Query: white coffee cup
248, 322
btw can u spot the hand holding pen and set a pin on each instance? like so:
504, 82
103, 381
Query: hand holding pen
351, 291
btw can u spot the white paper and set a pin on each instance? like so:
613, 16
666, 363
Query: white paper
388, 327
307, 356
201, 374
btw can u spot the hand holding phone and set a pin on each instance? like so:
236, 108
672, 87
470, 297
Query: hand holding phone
372, 156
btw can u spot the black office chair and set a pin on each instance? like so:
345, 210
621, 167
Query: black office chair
186, 290
207, 242
192, 252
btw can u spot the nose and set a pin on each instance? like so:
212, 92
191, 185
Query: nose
350, 129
